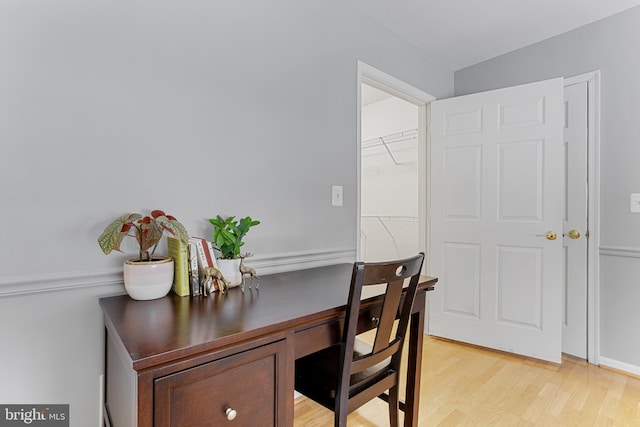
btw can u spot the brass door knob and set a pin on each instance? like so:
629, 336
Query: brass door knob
550, 235
574, 234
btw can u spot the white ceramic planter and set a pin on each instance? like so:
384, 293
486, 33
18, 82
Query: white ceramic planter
148, 279
230, 269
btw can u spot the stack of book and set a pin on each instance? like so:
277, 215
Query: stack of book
205, 257
190, 261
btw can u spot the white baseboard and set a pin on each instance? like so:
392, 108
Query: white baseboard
620, 366
268, 264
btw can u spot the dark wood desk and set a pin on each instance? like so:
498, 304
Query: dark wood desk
183, 361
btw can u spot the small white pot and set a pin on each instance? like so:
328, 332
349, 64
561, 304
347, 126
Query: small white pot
230, 269
145, 280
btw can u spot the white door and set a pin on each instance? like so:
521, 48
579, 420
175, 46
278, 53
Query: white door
496, 201
574, 296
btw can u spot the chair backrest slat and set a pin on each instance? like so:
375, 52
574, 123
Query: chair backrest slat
388, 315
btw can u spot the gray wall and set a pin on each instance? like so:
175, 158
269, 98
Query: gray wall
198, 108
612, 46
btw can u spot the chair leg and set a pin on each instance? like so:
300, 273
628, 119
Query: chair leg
340, 417
393, 406
340, 411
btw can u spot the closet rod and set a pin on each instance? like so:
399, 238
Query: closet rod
391, 138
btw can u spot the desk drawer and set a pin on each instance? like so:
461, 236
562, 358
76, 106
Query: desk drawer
323, 335
248, 383
317, 337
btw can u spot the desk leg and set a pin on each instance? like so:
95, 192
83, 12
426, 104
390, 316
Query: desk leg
414, 362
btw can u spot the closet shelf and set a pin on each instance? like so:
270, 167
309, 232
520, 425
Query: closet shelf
386, 140
381, 219
389, 218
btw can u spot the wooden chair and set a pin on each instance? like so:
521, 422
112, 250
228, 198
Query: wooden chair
346, 376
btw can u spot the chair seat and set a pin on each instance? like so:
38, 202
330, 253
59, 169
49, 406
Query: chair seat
317, 373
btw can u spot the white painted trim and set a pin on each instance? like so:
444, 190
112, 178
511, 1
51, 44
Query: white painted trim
593, 272
620, 251
592, 79
427, 201
358, 149
41, 283
398, 88
291, 261
101, 404
388, 83
270, 264
620, 366
423, 181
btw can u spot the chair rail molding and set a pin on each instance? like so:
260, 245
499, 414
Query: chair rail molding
289, 261
620, 251
265, 264
41, 283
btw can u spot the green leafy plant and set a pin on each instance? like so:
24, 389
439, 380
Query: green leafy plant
228, 234
147, 231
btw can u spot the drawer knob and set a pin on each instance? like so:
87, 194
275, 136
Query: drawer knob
231, 414
375, 320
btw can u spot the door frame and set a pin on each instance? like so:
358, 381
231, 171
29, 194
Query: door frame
592, 79
398, 88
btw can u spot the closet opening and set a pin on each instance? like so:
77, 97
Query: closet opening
389, 217
392, 162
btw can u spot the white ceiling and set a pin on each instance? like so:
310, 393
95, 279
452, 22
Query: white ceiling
371, 95
464, 32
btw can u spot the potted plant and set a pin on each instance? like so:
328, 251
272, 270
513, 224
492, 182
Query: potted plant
146, 276
228, 234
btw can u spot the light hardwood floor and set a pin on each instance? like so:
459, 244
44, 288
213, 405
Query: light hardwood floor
464, 385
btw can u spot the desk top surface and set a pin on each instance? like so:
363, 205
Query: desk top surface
158, 330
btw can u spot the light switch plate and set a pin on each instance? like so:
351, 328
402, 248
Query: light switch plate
634, 203
336, 195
